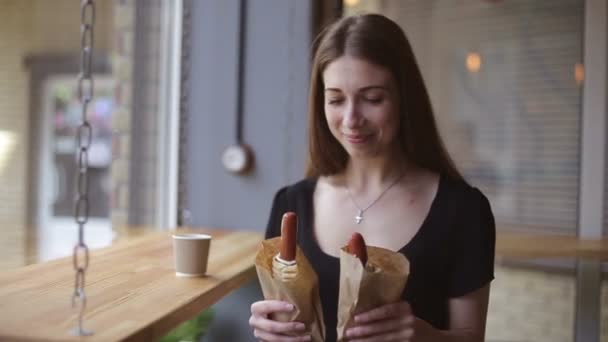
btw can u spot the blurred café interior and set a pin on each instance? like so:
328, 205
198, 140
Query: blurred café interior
519, 89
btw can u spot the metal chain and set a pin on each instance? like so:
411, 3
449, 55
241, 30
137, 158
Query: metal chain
84, 136
184, 217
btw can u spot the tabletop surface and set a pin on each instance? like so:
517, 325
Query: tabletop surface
523, 245
133, 293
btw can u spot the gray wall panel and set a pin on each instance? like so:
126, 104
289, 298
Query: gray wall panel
276, 86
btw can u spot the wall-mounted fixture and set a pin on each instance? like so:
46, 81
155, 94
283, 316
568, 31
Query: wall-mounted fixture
238, 158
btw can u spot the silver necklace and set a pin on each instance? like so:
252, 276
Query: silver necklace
361, 211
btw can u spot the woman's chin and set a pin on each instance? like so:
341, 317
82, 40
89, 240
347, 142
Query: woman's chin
369, 151
363, 152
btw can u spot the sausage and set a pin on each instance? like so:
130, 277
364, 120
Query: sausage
356, 246
289, 229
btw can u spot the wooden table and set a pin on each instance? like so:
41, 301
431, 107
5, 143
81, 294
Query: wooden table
542, 246
133, 293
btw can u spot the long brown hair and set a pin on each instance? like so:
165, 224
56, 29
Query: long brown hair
381, 41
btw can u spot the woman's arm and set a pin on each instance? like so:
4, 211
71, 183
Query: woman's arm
395, 322
467, 319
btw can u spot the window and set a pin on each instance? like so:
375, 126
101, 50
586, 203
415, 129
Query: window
505, 80
129, 156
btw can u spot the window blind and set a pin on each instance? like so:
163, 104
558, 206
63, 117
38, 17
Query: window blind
503, 82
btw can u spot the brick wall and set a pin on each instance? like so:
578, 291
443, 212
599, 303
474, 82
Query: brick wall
13, 125
122, 64
136, 61
144, 166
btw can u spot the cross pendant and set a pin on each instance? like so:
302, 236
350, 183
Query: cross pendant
359, 217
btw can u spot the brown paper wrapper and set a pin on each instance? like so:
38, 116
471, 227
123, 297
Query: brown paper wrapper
381, 282
302, 292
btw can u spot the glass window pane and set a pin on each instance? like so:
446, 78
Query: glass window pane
39, 65
505, 80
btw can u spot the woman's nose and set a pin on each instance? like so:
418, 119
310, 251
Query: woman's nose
352, 117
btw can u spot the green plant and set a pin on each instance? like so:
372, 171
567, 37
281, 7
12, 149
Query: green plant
192, 330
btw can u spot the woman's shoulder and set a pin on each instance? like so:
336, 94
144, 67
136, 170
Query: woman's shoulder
292, 197
298, 189
459, 189
463, 201
303, 185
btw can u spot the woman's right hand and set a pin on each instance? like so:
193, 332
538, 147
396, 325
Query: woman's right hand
267, 330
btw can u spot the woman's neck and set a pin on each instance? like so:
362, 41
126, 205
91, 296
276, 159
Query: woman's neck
362, 175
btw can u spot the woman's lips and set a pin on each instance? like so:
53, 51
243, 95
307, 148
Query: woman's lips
356, 138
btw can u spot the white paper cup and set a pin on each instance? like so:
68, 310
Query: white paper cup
191, 253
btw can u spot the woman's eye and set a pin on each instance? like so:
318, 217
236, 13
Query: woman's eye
334, 101
374, 100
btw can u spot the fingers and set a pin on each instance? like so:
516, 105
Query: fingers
400, 336
385, 327
265, 329
269, 337
265, 307
388, 311
267, 325
392, 322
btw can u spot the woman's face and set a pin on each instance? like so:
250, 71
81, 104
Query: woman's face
361, 106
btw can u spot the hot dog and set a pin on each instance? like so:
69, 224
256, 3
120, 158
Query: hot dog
284, 264
289, 229
356, 246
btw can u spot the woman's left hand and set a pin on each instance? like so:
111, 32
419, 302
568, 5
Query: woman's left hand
391, 322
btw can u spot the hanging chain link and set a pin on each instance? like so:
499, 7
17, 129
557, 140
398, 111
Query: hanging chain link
84, 136
185, 216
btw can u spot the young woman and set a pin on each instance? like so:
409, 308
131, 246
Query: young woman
377, 166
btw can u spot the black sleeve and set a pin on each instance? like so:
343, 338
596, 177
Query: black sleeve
279, 207
473, 258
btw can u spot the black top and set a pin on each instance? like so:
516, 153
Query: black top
451, 255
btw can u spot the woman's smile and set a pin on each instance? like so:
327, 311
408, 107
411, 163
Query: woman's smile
357, 138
